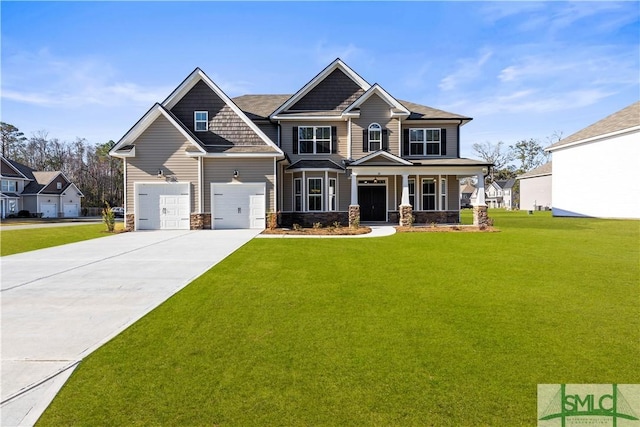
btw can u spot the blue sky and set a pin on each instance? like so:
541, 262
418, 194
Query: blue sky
520, 69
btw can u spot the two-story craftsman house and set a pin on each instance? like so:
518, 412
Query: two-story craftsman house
339, 149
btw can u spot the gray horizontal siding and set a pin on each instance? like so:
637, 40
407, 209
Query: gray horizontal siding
452, 136
373, 110
161, 146
286, 138
251, 170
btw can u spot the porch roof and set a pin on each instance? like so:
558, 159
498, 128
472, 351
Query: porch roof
315, 164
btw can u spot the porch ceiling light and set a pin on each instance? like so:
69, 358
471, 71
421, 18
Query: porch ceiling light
236, 173
160, 173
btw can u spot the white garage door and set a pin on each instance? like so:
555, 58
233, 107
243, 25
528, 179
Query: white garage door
162, 206
49, 210
238, 205
70, 210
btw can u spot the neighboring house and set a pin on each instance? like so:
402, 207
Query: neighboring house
466, 191
593, 168
338, 150
535, 188
51, 194
498, 194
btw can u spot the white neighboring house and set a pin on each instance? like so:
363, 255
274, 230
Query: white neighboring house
535, 188
498, 194
593, 168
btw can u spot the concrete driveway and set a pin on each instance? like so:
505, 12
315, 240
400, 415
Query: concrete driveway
60, 304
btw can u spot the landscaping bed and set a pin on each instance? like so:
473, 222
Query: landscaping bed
319, 231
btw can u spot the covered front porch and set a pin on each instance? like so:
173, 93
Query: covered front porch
390, 189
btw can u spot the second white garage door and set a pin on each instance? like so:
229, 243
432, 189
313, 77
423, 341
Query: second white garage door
162, 206
238, 205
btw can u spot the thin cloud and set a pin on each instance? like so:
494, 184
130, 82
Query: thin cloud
42, 79
467, 70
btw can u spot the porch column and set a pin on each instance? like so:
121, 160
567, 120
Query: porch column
354, 188
480, 200
354, 208
405, 209
480, 217
405, 189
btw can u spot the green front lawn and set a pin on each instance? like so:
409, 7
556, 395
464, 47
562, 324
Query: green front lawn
413, 329
30, 239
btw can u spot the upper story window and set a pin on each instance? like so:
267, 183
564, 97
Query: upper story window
424, 142
201, 121
9, 186
314, 139
375, 137
58, 185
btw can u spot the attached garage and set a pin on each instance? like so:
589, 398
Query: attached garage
49, 210
162, 206
71, 210
235, 205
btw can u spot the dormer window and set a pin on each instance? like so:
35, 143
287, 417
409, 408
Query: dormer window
201, 121
375, 137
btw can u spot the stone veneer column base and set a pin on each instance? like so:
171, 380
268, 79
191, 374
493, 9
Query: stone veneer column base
480, 216
406, 215
130, 222
200, 221
354, 215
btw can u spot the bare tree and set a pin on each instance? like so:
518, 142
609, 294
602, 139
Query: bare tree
493, 153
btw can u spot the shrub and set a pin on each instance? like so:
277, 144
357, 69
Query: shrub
355, 223
297, 227
24, 214
109, 218
272, 220
317, 225
337, 225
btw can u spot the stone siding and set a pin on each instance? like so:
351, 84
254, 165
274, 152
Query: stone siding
200, 221
406, 216
428, 217
354, 215
130, 222
307, 219
480, 216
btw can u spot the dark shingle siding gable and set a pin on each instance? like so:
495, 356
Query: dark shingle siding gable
225, 126
336, 92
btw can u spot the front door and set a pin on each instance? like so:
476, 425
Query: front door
372, 201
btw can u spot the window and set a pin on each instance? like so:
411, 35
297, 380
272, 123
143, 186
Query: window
315, 194
412, 192
297, 194
375, 137
332, 194
429, 194
424, 142
58, 185
314, 139
12, 206
201, 121
10, 186
443, 194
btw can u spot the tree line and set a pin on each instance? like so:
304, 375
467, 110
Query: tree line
98, 175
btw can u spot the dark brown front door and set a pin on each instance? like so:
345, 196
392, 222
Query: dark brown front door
372, 201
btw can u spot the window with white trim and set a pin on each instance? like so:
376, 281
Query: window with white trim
201, 121
314, 191
58, 185
424, 142
297, 194
428, 194
314, 139
443, 193
9, 186
333, 191
375, 137
412, 192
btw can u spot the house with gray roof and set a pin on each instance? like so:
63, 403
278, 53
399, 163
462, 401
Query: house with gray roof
593, 167
45, 194
338, 149
535, 188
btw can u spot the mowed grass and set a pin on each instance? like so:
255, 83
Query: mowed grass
30, 239
414, 329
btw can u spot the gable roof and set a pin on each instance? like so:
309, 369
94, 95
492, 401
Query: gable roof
545, 169
42, 179
388, 158
14, 169
624, 119
125, 146
506, 184
335, 65
376, 89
